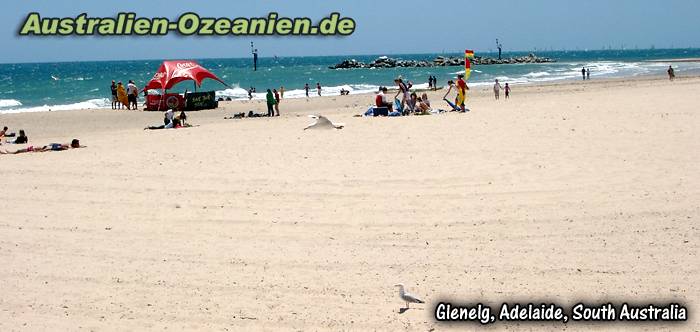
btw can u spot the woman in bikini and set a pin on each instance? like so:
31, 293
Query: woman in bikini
74, 144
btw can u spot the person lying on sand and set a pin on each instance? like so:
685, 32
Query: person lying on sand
175, 124
74, 144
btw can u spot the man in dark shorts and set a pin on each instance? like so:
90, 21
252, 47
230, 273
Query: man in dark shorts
132, 92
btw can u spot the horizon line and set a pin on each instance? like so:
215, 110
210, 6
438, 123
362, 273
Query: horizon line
338, 55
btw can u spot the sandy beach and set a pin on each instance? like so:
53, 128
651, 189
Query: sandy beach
578, 191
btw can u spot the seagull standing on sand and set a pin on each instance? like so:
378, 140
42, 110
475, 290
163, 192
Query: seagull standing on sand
408, 298
323, 122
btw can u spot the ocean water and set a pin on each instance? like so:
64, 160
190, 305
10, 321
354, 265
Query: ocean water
33, 87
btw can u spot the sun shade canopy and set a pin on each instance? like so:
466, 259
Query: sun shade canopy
176, 71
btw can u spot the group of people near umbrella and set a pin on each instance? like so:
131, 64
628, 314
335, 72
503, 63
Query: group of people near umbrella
126, 97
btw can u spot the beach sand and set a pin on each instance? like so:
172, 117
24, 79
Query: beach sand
564, 193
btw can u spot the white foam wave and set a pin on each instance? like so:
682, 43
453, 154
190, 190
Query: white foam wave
238, 93
88, 104
9, 103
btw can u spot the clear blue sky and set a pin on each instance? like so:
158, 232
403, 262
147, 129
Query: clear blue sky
383, 27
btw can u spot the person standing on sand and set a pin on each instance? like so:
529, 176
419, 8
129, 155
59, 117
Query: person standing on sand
588, 73
583, 73
122, 96
671, 73
497, 90
306, 89
318, 88
114, 95
507, 90
133, 92
462, 89
281, 92
270, 98
403, 90
277, 101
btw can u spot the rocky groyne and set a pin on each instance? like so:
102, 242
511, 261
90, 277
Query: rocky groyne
440, 61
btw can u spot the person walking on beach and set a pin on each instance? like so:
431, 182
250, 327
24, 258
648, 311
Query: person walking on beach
277, 101
318, 88
497, 90
583, 73
270, 98
114, 95
306, 89
507, 90
671, 73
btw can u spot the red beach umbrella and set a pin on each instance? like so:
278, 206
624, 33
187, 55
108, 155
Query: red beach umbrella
176, 71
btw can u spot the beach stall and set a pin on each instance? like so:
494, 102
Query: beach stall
174, 72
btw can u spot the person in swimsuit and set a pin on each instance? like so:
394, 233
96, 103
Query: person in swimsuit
277, 101
74, 144
403, 89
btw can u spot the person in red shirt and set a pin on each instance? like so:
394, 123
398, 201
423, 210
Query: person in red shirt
462, 87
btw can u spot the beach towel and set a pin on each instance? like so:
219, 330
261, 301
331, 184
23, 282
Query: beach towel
121, 95
397, 106
455, 107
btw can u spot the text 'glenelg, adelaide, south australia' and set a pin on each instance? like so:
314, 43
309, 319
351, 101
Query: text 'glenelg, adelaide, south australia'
580, 312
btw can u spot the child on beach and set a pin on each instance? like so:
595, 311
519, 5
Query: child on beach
507, 90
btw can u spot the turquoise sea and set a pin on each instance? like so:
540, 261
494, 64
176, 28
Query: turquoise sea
32, 87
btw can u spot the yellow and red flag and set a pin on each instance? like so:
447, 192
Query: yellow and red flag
468, 54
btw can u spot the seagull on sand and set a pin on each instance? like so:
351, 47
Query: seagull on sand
323, 122
408, 298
